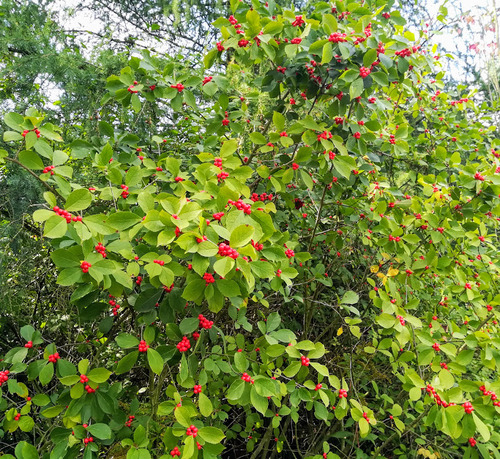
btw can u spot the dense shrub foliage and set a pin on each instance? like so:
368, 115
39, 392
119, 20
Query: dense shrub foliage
305, 266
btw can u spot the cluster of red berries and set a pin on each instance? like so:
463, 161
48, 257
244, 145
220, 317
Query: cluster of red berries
289, 253
220, 46
17, 417
84, 379
298, 21
132, 89
115, 305
175, 452
261, 197
192, 430
226, 251
394, 238
222, 176
183, 345
478, 176
48, 169
468, 407
209, 278
324, 135
159, 262
4, 376
491, 394
178, 86
318, 387
404, 52
88, 440
217, 216
247, 378
29, 344
125, 192
432, 393
138, 281
281, 69
401, 320
99, 248
90, 390
240, 205
130, 419
304, 361
337, 37
472, 442
218, 162
85, 266
143, 346
296, 41
168, 289
256, 245
342, 393
199, 240
35, 130
197, 389
204, 322
65, 214
357, 135
206, 80
392, 139
436, 347
196, 336
54, 357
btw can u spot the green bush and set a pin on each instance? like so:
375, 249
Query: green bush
307, 268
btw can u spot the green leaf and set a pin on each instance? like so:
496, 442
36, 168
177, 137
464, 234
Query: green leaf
99, 375
182, 414
370, 57
126, 364
155, 361
257, 138
100, 430
259, 403
321, 369
364, 427
52, 412
279, 121
189, 325
481, 427
205, 405
327, 53
40, 400
223, 266
26, 423
14, 120
55, 227
123, 220
292, 369
241, 236
46, 374
126, 341
63, 258
356, 88
69, 380
211, 435
240, 362
236, 390
31, 160
380, 78
228, 288
350, 297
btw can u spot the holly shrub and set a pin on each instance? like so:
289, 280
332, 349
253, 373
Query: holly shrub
306, 265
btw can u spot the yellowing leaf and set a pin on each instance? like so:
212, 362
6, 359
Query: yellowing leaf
392, 272
374, 268
340, 331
